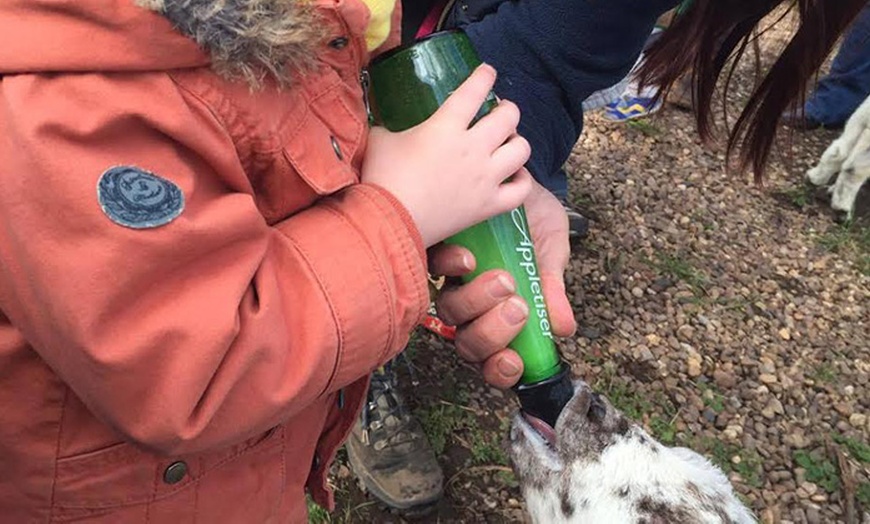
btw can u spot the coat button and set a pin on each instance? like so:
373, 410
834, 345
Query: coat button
175, 472
338, 43
336, 148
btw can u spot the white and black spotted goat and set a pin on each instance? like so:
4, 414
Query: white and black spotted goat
598, 467
848, 157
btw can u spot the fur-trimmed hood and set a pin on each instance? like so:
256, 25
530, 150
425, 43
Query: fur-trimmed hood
248, 38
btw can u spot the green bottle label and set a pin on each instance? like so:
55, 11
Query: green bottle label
528, 262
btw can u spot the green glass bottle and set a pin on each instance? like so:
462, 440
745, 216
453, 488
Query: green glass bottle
407, 85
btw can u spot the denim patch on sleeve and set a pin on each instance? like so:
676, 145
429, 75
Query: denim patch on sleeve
138, 199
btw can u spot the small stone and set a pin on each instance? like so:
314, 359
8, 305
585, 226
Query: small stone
767, 366
653, 340
497, 393
844, 409
694, 366
849, 391
796, 440
800, 475
343, 472
661, 284
637, 292
709, 415
767, 378
858, 420
785, 334
780, 475
809, 488
645, 354
813, 516
724, 380
591, 333
685, 333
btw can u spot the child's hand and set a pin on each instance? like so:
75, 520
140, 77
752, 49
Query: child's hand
450, 176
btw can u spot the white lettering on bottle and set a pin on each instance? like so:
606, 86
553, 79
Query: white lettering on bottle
526, 251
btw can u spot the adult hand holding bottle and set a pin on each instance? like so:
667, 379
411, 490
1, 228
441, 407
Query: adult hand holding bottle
488, 311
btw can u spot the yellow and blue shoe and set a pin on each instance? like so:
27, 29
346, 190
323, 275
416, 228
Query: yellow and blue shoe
630, 108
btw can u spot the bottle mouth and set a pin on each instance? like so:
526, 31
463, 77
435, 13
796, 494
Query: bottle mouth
545, 399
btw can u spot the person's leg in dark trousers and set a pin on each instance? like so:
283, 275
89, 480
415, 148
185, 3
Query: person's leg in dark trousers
847, 84
842, 90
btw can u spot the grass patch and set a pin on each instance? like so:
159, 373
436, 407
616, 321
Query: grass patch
440, 422
863, 494
636, 405
581, 200
711, 397
859, 450
644, 126
484, 450
678, 268
824, 373
507, 478
799, 196
748, 466
663, 429
316, 514
448, 423
819, 470
849, 239
348, 515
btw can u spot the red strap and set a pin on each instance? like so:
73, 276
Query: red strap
430, 23
437, 326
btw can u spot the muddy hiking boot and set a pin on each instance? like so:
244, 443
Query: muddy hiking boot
389, 452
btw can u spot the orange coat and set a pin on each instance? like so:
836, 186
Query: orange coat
203, 369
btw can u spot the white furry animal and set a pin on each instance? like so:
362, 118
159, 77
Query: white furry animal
598, 467
849, 155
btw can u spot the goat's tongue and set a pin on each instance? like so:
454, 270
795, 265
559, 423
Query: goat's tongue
544, 430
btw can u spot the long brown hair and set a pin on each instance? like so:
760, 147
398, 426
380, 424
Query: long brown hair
710, 32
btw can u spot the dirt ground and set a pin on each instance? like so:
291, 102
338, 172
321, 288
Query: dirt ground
725, 317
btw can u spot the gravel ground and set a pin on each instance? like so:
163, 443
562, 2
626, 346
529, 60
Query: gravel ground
725, 317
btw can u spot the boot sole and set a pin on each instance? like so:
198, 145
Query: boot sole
368, 484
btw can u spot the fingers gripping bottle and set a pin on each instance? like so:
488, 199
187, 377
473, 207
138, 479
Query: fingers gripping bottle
406, 86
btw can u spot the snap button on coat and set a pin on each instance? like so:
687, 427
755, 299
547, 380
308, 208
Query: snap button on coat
336, 148
175, 472
338, 43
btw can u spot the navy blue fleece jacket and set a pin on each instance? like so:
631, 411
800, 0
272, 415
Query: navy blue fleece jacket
550, 56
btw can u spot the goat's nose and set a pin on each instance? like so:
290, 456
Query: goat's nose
597, 408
